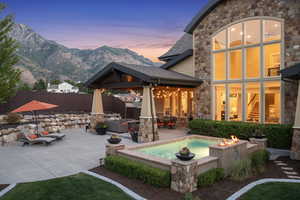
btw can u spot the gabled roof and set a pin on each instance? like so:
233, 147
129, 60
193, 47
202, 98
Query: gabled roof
211, 4
178, 59
145, 74
292, 72
183, 44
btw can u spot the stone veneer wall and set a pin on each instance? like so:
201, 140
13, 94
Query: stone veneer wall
51, 123
146, 130
230, 11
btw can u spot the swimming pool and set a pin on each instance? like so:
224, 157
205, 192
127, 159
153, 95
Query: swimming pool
200, 147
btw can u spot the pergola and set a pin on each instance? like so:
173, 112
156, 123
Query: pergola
135, 77
293, 73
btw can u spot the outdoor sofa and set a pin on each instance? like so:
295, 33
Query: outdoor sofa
118, 126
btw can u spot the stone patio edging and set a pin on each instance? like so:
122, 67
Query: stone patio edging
255, 183
122, 187
7, 189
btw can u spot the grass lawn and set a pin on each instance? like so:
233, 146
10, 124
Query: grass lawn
76, 187
274, 191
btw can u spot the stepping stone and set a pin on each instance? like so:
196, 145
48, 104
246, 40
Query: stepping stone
287, 168
278, 161
294, 177
281, 164
290, 173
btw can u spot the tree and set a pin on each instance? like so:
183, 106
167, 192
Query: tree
23, 87
40, 85
71, 82
9, 76
55, 82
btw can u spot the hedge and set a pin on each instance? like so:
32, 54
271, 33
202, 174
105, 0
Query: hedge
210, 177
278, 135
137, 170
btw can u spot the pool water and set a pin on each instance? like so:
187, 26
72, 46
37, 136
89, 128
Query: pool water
197, 146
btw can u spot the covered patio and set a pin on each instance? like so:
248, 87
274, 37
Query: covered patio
165, 94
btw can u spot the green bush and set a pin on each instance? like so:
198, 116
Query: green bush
278, 135
137, 170
189, 196
259, 160
241, 170
210, 177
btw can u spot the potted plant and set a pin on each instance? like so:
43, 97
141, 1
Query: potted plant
101, 128
185, 154
258, 134
114, 139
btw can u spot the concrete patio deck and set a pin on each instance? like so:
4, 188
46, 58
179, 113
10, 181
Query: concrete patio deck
76, 152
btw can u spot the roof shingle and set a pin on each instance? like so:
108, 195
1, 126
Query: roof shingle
183, 44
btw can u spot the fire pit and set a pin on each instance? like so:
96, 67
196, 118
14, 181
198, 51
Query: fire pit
229, 142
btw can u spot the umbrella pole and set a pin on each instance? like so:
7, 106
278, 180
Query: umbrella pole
36, 122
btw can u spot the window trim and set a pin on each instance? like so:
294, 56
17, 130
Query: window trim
261, 79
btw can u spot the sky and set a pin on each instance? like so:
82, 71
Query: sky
149, 27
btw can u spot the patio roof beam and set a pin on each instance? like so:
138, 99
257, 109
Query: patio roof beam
122, 85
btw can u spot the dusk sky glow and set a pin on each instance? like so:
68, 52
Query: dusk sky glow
148, 27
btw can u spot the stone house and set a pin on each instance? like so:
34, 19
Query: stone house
240, 50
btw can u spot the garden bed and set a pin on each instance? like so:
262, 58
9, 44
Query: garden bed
2, 186
145, 190
221, 190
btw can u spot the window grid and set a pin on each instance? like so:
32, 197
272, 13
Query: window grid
244, 80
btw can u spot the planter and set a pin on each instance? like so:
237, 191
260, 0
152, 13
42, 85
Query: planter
260, 137
183, 157
101, 131
114, 140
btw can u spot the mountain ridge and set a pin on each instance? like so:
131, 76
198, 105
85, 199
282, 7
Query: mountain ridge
41, 58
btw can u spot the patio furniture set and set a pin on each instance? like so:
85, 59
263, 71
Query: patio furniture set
44, 137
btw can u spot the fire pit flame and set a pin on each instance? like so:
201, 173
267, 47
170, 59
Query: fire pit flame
227, 142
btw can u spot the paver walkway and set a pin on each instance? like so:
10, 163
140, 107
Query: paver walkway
289, 171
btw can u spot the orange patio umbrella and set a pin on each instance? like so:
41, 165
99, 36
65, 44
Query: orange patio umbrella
34, 106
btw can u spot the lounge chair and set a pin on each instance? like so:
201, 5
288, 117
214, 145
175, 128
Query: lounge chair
26, 139
57, 136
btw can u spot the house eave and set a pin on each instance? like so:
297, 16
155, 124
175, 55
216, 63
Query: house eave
200, 15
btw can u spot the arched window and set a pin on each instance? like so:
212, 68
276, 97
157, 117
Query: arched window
246, 60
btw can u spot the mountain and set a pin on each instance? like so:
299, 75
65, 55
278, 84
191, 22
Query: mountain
42, 58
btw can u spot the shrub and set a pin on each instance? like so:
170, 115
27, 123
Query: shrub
278, 135
13, 118
210, 177
101, 125
137, 170
259, 160
241, 170
189, 196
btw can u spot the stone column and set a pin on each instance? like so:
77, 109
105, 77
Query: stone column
112, 149
184, 176
97, 114
229, 154
295, 151
148, 120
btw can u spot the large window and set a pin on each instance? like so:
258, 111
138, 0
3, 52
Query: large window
247, 58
